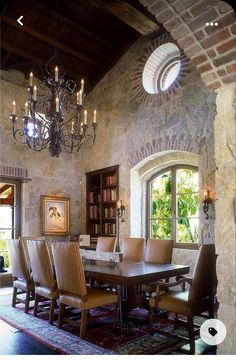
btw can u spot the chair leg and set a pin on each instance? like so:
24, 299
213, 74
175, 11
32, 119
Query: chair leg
211, 308
61, 313
176, 321
52, 308
27, 301
36, 301
14, 297
114, 312
191, 335
83, 323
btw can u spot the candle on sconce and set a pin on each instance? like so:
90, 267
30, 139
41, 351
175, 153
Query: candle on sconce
82, 85
85, 117
35, 93
56, 73
31, 79
14, 107
72, 127
26, 109
205, 195
57, 104
118, 204
95, 116
80, 97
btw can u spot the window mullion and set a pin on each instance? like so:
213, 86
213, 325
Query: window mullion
174, 207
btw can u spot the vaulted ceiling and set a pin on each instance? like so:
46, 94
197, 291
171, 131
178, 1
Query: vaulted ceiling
87, 36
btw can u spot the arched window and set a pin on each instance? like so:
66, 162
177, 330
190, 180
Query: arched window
173, 200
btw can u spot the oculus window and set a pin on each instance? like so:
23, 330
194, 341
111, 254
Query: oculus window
173, 202
162, 68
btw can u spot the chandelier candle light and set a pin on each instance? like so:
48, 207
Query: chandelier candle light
54, 118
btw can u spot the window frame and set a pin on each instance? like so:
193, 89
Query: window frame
16, 230
173, 169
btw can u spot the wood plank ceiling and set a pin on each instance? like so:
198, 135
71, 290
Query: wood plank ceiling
90, 36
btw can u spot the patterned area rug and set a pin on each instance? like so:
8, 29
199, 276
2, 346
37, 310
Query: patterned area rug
100, 340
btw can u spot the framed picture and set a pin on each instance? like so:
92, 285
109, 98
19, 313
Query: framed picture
55, 215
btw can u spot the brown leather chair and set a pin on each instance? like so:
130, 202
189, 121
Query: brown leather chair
73, 290
132, 249
106, 244
200, 296
25, 240
22, 281
159, 250
43, 276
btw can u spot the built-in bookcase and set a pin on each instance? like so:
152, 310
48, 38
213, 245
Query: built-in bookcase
102, 189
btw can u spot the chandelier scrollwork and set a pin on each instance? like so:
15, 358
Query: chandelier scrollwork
55, 117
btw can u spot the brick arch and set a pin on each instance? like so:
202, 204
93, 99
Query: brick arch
182, 142
211, 49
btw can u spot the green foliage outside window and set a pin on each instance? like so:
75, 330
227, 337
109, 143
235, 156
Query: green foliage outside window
187, 206
4, 251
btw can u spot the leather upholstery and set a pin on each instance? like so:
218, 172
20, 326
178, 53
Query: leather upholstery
25, 245
199, 298
41, 266
106, 244
204, 281
173, 301
69, 269
46, 292
159, 250
18, 259
72, 285
24, 285
22, 281
95, 298
202, 289
132, 249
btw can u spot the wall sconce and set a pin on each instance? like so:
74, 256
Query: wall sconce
207, 200
120, 213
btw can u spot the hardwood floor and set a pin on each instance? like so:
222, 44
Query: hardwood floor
15, 342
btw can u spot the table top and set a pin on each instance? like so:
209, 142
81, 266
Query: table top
132, 273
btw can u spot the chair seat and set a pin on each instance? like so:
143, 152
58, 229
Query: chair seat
23, 284
95, 298
173, 301
47, 292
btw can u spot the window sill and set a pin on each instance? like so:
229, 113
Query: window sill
186, 246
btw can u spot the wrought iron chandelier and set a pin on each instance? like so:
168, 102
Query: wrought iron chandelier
54, 116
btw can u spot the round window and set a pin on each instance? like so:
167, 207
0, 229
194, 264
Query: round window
161, 68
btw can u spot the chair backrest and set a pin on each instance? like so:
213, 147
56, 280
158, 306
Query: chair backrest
69, 268
132, 249
159, 250
41, 265
25, 244
106, 244
204, 280
18, 260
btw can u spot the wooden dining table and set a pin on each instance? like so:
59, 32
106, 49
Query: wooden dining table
126, 276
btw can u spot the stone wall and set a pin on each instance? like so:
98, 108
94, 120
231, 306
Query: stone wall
225, 227
131, 129
50, 176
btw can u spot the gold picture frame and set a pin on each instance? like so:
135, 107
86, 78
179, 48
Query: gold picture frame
55, 215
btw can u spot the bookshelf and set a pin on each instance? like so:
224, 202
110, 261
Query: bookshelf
102, 195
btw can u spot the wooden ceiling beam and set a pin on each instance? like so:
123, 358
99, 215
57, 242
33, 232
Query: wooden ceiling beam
34, 59
72, 24
53, 42
130, 16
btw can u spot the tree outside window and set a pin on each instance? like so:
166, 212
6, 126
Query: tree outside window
173, 200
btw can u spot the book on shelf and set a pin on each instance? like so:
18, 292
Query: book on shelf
110, 228
95, 228
93, 211
111, 179
109, 195
94, 197
110, 212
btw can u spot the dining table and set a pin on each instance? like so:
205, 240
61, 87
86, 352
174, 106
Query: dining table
127, 276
